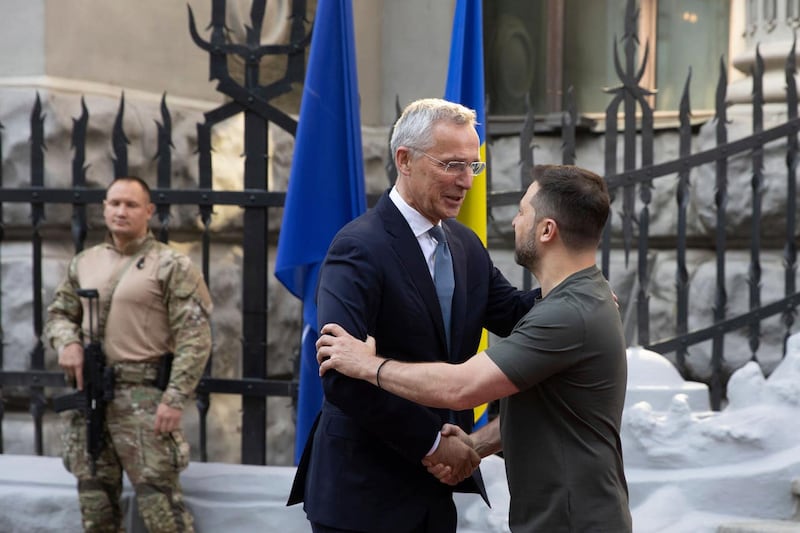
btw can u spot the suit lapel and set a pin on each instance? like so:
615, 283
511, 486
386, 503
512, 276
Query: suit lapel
408, 251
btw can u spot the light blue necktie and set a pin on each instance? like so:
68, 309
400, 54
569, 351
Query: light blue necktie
443, 277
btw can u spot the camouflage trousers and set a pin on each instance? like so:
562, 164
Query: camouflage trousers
152, 463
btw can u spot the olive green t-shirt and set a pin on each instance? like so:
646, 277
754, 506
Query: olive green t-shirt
560, 433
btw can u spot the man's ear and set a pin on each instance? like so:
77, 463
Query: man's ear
402, 160
549, 229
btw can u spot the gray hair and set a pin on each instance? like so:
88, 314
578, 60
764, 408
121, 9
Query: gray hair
414, 128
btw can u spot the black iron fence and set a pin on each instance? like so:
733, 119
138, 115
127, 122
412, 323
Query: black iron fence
632, 185
247, 97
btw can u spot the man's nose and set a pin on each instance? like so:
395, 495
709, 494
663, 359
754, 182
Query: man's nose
465, 179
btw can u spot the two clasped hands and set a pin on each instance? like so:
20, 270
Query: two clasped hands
454, 460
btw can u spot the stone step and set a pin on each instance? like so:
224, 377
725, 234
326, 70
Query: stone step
769, 526
761, 526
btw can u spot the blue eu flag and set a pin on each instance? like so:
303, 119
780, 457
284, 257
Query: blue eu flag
326, 184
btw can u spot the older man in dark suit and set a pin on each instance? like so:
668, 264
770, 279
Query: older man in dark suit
364, 468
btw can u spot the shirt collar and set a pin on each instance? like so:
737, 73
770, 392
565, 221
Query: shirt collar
418, 223
132, 247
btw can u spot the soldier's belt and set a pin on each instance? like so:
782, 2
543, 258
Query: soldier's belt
135, 373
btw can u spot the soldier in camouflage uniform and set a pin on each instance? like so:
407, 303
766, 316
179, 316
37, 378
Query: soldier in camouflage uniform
159, 304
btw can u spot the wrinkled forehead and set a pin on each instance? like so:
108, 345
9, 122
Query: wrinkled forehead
447, 131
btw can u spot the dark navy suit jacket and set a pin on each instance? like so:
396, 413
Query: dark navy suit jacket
361, 468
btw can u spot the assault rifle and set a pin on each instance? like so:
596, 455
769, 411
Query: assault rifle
98, 385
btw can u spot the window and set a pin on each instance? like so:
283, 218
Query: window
536, 49
690, 33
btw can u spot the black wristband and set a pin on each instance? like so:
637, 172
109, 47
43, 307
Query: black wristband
378, 372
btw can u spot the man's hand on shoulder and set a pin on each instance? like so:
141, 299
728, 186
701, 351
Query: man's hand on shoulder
340, 351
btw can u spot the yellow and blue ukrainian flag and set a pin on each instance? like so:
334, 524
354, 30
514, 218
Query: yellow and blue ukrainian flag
465, 86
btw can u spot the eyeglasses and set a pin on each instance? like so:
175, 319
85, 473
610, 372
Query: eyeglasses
457, 167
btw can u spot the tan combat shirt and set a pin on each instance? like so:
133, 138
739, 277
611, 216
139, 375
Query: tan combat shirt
160, 304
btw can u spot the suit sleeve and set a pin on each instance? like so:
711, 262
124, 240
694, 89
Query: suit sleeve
506, 305
349, 293
499, 304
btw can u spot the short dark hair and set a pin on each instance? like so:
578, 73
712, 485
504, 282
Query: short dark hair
576, 198
136, 179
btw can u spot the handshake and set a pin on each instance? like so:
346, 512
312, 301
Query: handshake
455, 459
458, 454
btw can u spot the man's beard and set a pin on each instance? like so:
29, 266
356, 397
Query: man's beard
527, 255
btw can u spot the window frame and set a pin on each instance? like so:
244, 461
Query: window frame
550, 119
